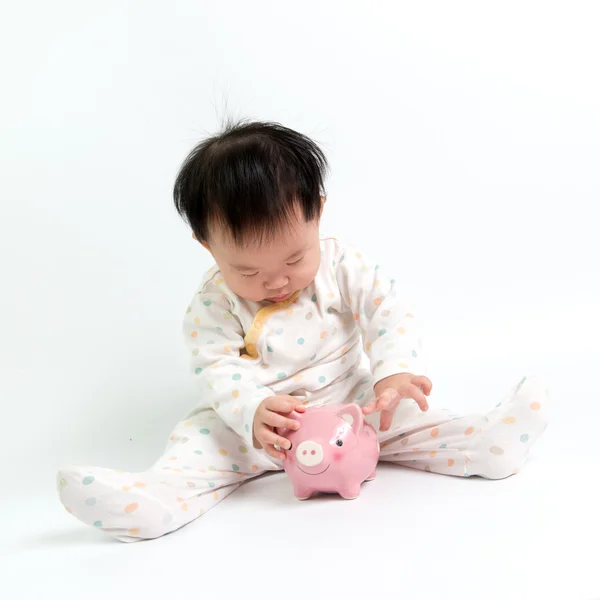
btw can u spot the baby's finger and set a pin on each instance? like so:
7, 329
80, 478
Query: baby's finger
388, 400
283, 404
274, 419
385, 421
424, 383
262, 435
418, 396
270, 437
273, 452
370, 408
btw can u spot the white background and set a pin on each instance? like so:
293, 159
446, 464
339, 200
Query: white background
464, 148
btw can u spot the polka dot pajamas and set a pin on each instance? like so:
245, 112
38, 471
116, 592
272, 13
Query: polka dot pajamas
492, 445
203, 463
310, 346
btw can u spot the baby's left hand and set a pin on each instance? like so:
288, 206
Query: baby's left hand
389, 392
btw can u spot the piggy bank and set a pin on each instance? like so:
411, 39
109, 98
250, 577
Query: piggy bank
334, 451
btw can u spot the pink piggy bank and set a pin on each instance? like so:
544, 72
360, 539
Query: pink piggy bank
334, 451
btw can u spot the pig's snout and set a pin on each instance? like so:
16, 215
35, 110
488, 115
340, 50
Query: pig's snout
309, 454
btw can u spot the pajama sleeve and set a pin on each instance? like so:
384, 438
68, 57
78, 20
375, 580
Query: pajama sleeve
387, 322
227, 383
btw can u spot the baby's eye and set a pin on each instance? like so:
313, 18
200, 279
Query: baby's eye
250, 274
339, 443
295, 262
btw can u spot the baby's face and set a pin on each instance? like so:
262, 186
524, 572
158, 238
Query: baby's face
273, 270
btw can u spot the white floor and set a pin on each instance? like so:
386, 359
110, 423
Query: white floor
410, 535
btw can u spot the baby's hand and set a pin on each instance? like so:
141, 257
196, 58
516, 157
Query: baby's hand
389, 392
269, 415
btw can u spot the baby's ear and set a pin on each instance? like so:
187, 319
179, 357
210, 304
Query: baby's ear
206, 246
202, 243
323, 201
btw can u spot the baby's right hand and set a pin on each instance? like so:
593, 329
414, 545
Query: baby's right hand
271, 414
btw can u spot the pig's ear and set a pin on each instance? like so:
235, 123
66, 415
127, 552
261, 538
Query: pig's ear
352, 414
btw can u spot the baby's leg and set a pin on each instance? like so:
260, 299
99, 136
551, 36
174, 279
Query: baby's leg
493, 445
204, 462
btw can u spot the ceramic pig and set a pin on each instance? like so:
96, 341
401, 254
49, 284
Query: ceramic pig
334, 451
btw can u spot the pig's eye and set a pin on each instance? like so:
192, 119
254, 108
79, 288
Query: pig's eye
339, 443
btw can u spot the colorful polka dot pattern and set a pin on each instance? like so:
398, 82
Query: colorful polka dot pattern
319, 333
467, 446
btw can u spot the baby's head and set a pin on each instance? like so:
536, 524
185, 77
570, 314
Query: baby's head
253, 196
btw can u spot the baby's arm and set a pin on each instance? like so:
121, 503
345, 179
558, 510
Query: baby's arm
387, 322
389, 335
227, 382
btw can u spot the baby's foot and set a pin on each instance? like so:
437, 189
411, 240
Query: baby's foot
502, 438
124, 505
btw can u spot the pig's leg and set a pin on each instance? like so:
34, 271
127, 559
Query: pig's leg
372, 475
351, 492
494, 445
204, 462
302, 493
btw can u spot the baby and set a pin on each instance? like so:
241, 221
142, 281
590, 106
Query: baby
280, 323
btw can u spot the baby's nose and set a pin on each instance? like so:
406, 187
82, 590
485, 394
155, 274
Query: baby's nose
277, 283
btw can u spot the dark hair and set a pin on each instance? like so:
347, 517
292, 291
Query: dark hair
251, 179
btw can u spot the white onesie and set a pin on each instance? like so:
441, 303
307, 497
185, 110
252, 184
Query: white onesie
311, 346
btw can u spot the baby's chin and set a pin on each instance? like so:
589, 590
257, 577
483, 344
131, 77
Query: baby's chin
276, 300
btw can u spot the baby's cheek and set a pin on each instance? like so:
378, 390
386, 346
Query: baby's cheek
307, 275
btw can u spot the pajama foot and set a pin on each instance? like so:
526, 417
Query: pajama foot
122, 505
133, 506
505, 435
494, 445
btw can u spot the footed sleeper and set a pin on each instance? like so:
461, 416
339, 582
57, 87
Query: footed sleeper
310, 346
